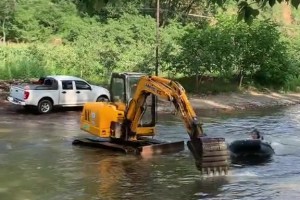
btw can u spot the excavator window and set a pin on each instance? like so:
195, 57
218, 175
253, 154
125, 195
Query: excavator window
118, 90
133, 81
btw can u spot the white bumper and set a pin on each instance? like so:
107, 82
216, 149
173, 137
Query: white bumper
16, 101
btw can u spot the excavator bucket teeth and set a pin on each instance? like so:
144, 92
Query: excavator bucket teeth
211, 155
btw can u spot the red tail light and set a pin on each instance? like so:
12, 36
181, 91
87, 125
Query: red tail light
26, 95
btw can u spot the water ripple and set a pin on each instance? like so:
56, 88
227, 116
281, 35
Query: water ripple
38, 161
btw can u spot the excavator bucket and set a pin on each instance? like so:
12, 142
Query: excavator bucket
211, 155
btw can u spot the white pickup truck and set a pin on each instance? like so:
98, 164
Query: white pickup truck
56, 91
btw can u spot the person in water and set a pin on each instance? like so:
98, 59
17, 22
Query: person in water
255, 134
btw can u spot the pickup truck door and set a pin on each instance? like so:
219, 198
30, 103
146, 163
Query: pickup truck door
67, 94
84, 92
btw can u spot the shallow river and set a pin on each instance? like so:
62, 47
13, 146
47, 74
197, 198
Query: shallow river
38, 161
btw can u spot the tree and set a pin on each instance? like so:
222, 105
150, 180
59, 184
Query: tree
231, 49
7, 8
248, 10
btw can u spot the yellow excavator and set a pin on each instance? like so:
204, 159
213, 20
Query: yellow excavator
127, 123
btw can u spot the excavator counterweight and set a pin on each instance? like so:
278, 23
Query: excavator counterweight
122, 123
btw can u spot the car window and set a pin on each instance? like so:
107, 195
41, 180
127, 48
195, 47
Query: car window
81, 85
67, 85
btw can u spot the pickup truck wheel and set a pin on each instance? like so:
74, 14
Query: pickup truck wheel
102, 99
44, 106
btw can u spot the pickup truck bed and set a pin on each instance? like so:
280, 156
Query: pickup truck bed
56, 91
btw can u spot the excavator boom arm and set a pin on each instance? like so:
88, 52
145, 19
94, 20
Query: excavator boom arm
211, 154
167, 90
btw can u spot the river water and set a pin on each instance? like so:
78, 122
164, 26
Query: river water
38, 161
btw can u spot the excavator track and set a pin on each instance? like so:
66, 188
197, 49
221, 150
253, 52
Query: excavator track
211, 155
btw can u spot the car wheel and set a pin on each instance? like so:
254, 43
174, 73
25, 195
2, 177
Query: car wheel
45, 106
102, 99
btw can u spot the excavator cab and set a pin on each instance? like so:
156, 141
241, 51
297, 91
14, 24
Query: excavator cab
123, 86
122, 89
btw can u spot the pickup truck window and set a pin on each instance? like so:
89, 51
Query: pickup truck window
67, 85
48, 82
81, 85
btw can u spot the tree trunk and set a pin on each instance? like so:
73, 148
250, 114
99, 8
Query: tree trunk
3, 31
198, 79
241, 76
197, 83
5, 49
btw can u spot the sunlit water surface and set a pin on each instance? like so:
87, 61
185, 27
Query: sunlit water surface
38, 161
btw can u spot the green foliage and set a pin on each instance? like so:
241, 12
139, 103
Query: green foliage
235, 49
169, 9
126, 44
38, 20
248, 10
20, 62
108, 9
209, 85
170, 46
93, 38
7, 9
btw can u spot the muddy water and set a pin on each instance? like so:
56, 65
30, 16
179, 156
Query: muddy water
38, 161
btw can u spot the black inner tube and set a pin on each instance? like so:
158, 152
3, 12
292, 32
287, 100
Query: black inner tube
250, 148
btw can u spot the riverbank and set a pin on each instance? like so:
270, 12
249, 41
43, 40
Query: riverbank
244, 100
221, 102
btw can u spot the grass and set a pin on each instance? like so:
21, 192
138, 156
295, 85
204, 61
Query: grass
209, 85
217, 85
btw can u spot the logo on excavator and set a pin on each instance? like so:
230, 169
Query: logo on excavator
85, 127
153, 88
